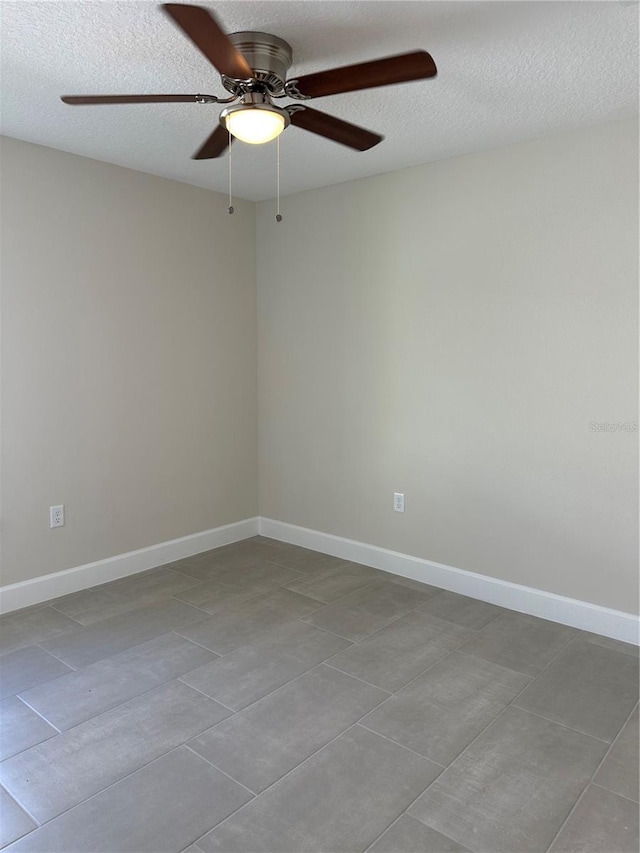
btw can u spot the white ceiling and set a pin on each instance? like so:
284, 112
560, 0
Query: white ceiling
508, 72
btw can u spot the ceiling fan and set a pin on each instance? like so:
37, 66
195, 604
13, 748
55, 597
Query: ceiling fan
253, 67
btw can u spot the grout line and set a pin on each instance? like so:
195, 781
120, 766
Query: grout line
185, 574
400, 689
470, 744
195, 606
392, 824
220, 770
53, 655
126, 776
291, 680
356, 678
431, 665
415, 799
504, 666
591, 782
615, 793
94, 795
566, 820
260, 698
324, 746
176, 631
393, 621
122, 651
509, 705
210, 698
42, 717
284, 776
24, 809
309, 757
442, 658
402, 745
62, 613
239, 598
114, 708
563, 725
613, 743
331, 633
304, 621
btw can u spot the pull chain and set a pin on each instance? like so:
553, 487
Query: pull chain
230, 199
278, 217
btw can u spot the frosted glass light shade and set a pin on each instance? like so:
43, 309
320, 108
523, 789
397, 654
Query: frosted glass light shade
254, 125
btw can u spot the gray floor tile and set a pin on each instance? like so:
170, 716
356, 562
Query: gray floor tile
30, 626
20, 727
462, 610
602, 822
263, 742
396, 654
27, 667
202, 571
214, 597
513, 787
410, 836
240, 555
588, 687
339, 800
303, 560
242, 623
111, 681
94, 605
15, 822
253, 671
442, 711
257, 602
257, 579
64, 771
329, 584
524, 643
110, 636
278, 544
609, 643
159, 809
428, 590
366, 610
619, 770
264, 544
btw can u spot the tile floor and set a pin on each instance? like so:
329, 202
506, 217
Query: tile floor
262, 697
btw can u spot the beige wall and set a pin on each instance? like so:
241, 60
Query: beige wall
129, 360
450, 331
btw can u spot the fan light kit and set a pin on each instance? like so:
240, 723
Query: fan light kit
256, 120
253, 68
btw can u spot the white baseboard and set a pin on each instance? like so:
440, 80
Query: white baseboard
525, 599
36, 590
536, 602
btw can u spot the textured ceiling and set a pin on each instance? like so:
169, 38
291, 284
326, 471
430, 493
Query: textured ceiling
508, 72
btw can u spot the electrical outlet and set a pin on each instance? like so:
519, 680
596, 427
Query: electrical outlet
398, 502
56, 516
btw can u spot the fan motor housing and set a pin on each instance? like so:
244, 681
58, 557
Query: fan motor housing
270, 58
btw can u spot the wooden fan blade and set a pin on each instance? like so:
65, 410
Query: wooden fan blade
367, 75
78, 100
204, 31
334, 128
214, 146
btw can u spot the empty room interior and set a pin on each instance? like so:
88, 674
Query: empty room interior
319, 427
